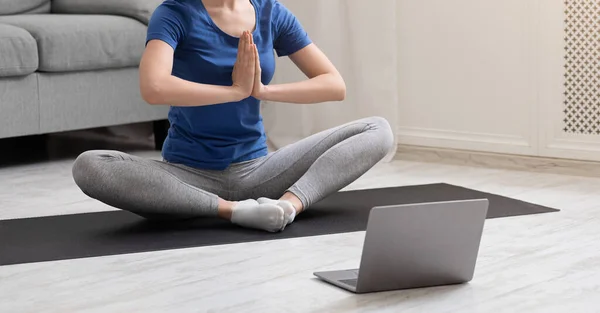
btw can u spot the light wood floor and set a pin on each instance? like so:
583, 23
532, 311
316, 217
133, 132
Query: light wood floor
539, 263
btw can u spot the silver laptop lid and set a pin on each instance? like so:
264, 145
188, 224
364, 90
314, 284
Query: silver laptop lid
421, 245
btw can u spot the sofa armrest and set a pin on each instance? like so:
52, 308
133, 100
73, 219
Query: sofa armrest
140, 10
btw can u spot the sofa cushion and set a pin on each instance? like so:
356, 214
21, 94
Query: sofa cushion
140, 10
67, 102
8, 7
18, 52
83, 42
20, 107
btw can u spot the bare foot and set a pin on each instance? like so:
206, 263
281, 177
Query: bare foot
225, 209
294, 200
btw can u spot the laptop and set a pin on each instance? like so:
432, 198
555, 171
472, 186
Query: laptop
415, 246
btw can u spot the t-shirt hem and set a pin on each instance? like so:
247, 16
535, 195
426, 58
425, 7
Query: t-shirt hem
197, 165
220, 166
162, 37
255, 155
294, 48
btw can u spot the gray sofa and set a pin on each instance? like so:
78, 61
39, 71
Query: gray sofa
72, 64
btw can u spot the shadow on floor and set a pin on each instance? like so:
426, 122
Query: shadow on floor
68, 145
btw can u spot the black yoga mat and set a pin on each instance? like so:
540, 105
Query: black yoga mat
118, 232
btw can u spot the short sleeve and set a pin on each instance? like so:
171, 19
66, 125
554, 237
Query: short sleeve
168, 23
289, 35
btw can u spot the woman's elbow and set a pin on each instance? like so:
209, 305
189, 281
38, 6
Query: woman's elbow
151, 92
340, 90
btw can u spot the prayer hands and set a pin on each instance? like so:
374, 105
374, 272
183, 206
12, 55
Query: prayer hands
259, 89
247, 72
245, 66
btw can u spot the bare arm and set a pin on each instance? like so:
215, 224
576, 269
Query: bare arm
324, 82
158, 86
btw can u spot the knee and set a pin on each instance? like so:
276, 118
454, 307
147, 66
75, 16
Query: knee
85, 169
383, 134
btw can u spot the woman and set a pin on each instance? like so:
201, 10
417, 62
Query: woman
211, 61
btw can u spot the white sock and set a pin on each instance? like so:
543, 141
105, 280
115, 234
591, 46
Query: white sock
251, 214
288, 208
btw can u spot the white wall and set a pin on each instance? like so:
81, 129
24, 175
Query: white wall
485, 75
360, 39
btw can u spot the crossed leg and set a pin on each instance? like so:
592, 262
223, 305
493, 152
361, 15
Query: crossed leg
149, 188
160, 190
302, 174
311, 169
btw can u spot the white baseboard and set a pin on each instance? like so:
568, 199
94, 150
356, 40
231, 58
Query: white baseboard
465, 140
572, 148
498, 160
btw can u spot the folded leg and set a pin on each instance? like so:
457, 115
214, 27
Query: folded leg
149, 188
319, 165
160, 190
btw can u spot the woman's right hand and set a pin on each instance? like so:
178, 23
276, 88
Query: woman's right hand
245, 66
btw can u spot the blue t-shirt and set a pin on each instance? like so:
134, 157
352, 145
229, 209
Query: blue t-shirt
214, 136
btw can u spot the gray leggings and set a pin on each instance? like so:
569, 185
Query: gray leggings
311, 169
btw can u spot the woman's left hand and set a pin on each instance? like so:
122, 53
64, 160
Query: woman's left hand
259, 89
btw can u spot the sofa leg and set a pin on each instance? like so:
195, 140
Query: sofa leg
161, 129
